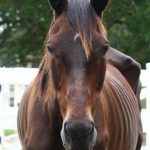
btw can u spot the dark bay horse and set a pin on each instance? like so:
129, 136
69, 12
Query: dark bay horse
78, 101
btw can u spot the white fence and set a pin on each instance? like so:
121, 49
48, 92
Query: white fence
145, 99
13, 82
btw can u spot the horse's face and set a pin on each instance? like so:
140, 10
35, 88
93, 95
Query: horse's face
77, 80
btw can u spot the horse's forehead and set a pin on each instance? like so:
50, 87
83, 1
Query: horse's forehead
62, 21
66, 41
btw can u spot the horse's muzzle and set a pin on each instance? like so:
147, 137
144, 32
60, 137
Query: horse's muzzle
78, 134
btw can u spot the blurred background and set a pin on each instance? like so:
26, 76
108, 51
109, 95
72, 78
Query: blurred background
24, 25
23, 28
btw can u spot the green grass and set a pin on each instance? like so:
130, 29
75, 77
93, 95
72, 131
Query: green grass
8, 132
144, 139
143, 103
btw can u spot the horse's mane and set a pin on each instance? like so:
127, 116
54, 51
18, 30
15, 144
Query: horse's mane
83, 18
44, 89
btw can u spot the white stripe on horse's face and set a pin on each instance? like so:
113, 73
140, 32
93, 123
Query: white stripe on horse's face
77, 36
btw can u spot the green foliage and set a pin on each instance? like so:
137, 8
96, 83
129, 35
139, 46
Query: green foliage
24, 25
143, 103
128, 24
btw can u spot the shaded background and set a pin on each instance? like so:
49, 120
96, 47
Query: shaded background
24, 25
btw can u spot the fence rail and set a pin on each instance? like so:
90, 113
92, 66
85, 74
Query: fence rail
13, 82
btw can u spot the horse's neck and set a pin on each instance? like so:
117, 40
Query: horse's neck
116, 103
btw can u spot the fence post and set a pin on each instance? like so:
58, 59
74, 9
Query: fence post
1, 136
148, 105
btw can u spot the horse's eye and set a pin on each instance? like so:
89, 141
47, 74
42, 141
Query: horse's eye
51, 50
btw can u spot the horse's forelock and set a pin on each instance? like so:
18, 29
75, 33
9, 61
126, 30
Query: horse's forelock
83, 19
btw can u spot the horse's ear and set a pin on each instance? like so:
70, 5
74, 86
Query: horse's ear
99, 5
58, 5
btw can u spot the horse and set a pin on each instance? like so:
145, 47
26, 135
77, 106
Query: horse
78, 101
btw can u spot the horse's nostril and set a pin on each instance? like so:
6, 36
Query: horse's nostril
77, 129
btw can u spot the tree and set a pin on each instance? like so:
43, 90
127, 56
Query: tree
128, 24
24, 25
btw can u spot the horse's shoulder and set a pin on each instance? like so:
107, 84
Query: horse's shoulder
22, 113
26, 98
27, 92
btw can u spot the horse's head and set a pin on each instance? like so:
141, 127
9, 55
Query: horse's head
75, 46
